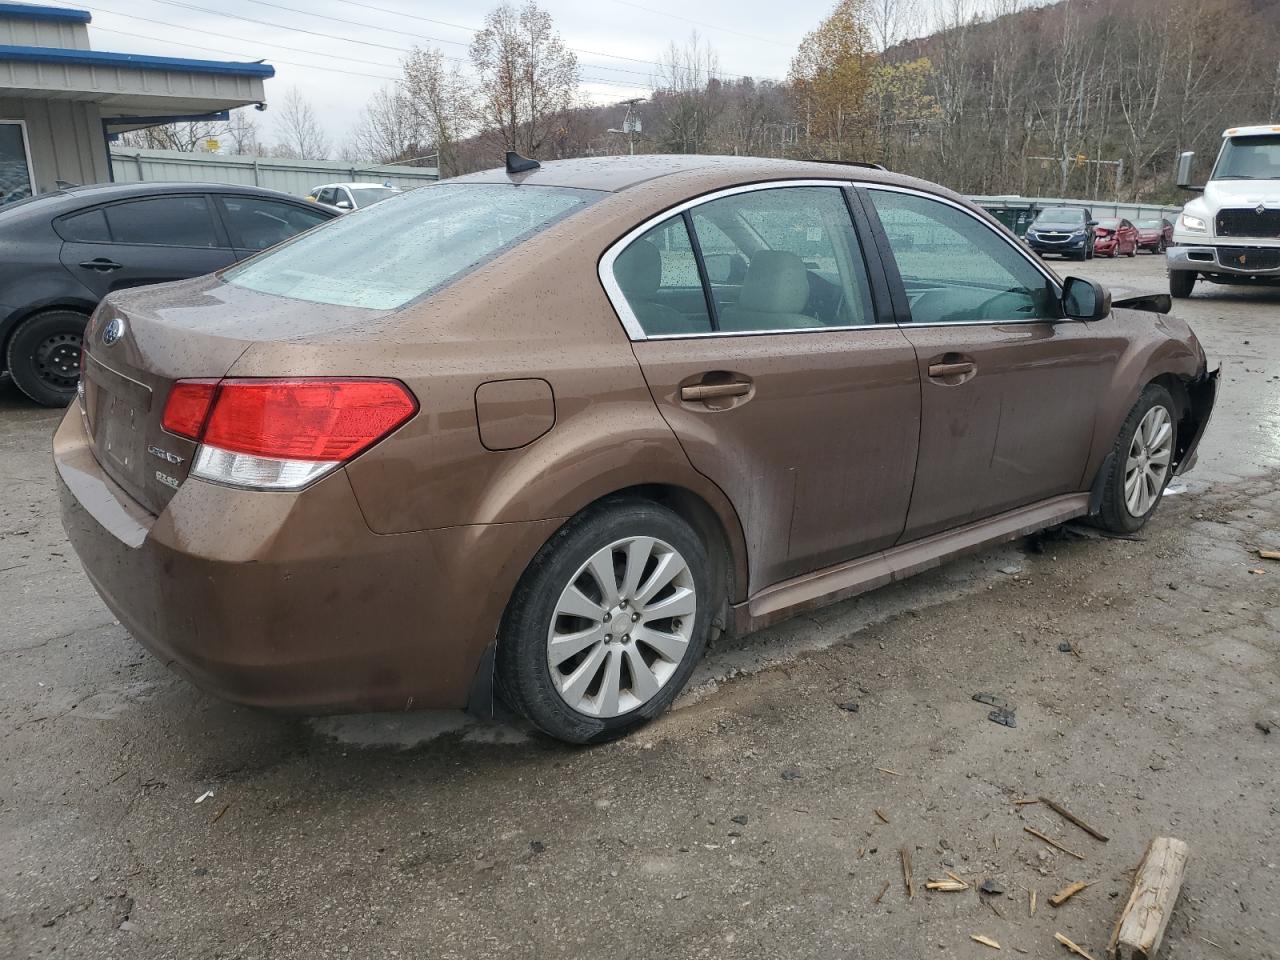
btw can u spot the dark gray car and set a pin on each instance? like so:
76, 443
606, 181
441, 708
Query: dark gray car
61, 253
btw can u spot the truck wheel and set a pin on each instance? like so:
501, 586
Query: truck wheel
1181, 282
44, 356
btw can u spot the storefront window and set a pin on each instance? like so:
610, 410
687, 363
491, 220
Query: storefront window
15, 167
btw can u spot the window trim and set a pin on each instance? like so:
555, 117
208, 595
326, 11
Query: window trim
896, 278
631, 324
26, 149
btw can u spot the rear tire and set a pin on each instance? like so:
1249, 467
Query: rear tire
44, 356
1142, 462
605, 687
1181, 283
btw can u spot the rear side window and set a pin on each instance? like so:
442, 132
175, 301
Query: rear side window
87, 227
164, 222
256, 224
395, 251
658, 275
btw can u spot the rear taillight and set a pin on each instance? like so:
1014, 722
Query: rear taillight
188, 407
281, 434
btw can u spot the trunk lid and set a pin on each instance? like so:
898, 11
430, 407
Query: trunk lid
143, 340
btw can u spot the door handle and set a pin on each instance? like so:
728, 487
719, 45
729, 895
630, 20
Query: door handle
714, 391
101, 264
959, 369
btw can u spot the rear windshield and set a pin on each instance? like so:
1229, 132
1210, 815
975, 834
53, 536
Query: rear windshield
367, 195
1110, 224
388, 254
1149, 224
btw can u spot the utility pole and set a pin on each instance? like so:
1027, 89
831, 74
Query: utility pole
630, 123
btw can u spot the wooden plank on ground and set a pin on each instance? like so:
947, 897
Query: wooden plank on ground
1156, 884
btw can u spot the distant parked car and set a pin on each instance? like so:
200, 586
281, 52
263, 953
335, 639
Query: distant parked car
352, 196
62, 252
1154, 235
1115, 237
1062, 230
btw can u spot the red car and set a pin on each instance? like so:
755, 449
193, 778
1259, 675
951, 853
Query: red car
1154, 235
1114, 237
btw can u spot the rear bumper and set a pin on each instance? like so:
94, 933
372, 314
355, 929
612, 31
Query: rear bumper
290, 601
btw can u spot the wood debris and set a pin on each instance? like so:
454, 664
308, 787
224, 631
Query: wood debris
883, 891
1066, 893
1068, 815
1053, 843
1155, 890
946, 886
1269, 554
905, 855
880, 814
985, 941
1031, 897
892, 773
1023, 802
1072, 946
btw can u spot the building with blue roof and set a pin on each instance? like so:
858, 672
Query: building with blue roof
61, 101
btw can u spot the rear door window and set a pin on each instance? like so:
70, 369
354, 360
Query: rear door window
658, 276
87, 227
164, 221
403, 248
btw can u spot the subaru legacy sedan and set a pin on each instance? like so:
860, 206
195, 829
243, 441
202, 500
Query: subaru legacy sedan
541, 433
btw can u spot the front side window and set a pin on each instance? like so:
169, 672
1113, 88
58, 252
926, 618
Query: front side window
405, 247
164, 222
957, 269
256, 223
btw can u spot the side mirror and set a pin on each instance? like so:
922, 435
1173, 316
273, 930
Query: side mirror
1085, 300
343, 205
1092, 223
1185, 160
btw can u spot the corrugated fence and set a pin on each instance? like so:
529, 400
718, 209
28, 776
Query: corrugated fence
129, 165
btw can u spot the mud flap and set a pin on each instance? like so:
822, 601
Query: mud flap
481, 699
1100, 484
1202, 393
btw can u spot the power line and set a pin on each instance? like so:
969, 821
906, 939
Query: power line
700, 23
316, 33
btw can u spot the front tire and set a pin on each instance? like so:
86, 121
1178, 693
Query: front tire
607, 623
44, 356
1181, 283
1142, 462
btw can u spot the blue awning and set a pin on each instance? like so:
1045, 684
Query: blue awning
33, 11
137, 61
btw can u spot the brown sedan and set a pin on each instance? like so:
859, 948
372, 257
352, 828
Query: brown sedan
549, 431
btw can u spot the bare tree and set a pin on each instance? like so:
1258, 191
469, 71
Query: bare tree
241, 134
186, 136
298, 131
528, 78
687, 88
389, 129
441, 103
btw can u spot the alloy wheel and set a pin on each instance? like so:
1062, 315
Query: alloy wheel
621, 627
1150, 453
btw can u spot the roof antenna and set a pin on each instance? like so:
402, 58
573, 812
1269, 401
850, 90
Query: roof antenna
519, 164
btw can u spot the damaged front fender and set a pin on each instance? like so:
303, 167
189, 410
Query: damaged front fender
1202, 394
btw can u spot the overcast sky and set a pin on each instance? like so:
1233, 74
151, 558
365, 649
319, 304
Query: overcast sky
339, 52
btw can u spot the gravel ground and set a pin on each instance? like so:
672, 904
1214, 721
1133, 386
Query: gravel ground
744, 823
